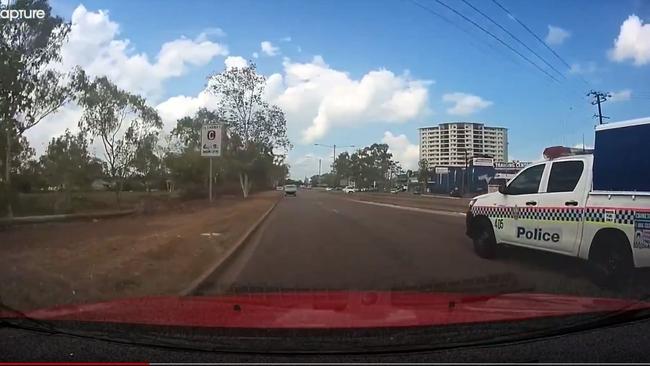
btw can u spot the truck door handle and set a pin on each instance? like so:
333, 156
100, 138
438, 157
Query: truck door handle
531, 203
571, 203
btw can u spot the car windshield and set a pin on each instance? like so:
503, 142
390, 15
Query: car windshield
375, 161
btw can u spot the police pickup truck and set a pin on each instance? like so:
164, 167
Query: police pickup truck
591, 204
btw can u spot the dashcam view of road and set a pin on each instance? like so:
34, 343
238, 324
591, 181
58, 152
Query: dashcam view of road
213, 155
332, 241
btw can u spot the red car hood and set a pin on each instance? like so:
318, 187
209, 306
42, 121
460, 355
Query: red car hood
364, 309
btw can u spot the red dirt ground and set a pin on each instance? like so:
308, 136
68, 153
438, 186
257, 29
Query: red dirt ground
158, 254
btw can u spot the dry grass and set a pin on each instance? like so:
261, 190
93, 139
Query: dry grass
50, 203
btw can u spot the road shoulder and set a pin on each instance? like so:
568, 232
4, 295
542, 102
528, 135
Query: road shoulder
144, 255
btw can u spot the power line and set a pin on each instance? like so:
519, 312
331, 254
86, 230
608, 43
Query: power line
531, 32
514, 37
536, 37
498, 39
476, 42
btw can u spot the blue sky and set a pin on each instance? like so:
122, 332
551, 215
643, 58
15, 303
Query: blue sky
417, 58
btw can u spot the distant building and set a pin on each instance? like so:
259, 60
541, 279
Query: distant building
449, 144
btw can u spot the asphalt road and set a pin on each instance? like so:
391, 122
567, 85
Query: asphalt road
330, 241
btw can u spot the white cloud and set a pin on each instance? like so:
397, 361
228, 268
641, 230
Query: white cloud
406, 153
620, 96
93, 44
210, 32
55, 125
465, 104
180, 106
316, 97
256, 55
556, 35
269, 49
307, 164
286, 39
633, 42
581, 69
235, 61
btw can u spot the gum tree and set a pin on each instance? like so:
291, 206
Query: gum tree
30, 90
255, 127
120, 120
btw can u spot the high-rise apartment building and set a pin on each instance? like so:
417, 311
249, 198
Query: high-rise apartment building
449, 144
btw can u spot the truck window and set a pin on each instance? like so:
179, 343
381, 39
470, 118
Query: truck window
564, 176
528, 181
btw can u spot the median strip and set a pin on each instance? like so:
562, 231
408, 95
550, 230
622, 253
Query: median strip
193, 285
414, 209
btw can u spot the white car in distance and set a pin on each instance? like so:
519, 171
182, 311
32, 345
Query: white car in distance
350, 189
290, 189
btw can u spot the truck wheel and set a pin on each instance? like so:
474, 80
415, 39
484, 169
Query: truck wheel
611, 264
485, 244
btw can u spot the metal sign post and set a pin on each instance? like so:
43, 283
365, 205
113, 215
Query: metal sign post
210, 183
211, 138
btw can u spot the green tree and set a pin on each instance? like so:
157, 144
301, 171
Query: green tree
184, 162
67, 164
342, 167
24, 169
121, 120
279, 171
29, 89
368, 167
187, 169
148, 162
255, 127
188, 129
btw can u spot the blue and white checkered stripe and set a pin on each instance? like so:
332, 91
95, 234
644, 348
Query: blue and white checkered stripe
615, 215
590, 214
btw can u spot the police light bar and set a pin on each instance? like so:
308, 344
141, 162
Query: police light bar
555, 152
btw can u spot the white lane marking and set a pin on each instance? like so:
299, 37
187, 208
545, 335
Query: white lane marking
414, 209
210, 234
441, 197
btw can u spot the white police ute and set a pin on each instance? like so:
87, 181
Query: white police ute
591, 204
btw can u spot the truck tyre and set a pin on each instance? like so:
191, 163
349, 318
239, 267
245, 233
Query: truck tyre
611, 261
485, 244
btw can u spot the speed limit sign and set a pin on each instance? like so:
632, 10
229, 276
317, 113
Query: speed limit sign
211, 140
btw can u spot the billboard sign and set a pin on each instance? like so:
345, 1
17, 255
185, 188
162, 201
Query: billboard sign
512, 164
482, 162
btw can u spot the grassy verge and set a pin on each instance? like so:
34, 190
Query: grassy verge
53, 203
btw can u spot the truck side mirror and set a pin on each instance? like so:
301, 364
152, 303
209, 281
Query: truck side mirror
503, 189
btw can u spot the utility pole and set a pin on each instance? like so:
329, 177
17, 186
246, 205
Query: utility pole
319, 163
599, 97
333, 151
